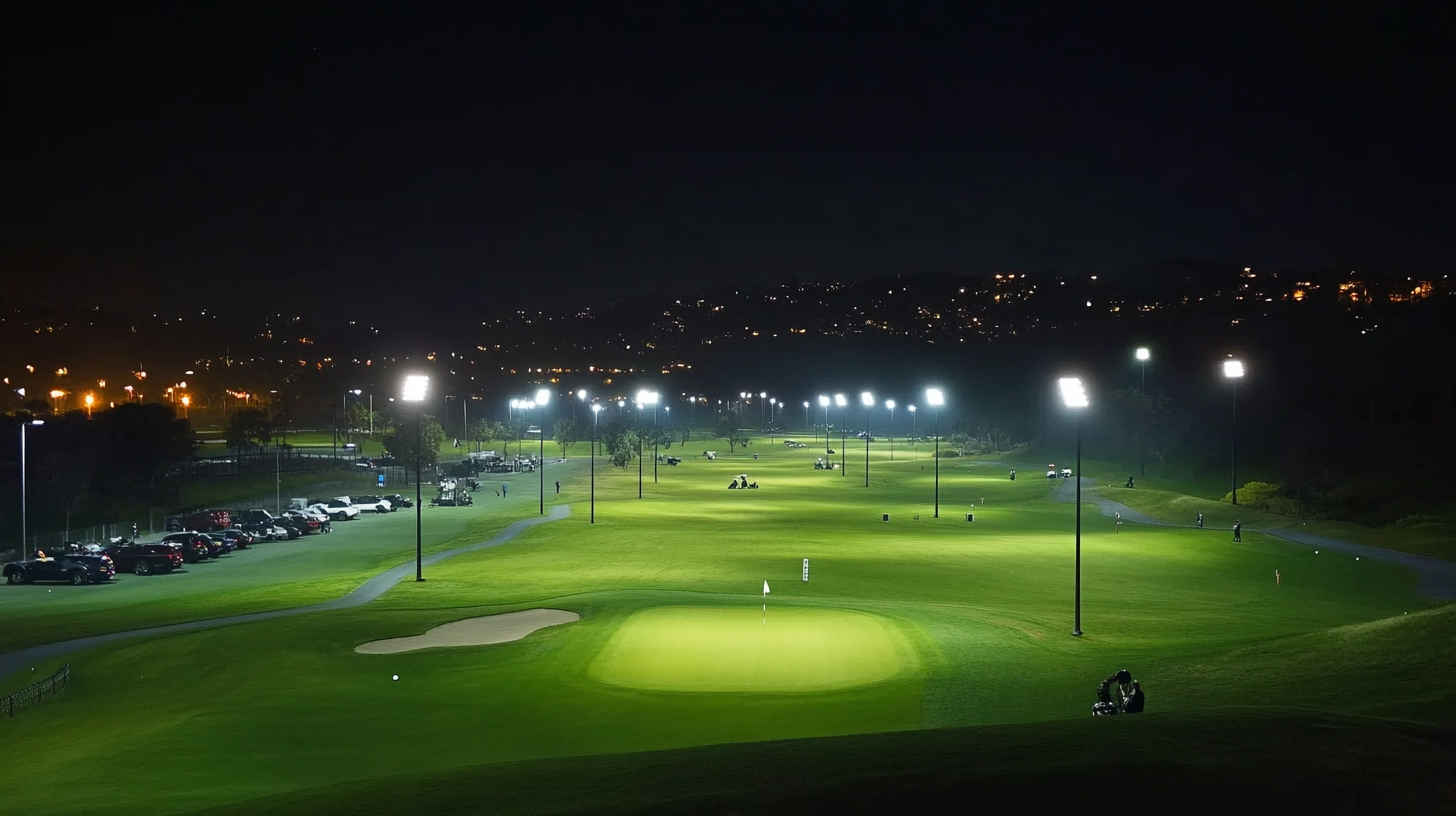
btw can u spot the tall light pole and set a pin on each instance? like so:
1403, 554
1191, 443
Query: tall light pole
762, 404
89, 400
824, 403
186, 403
935, 398
543, 398
889, 403
840, 402
1074, 397
645, 397
806, 413
868, 401
911, 408
580, 399
23, 501
415, 387
1143, 354
639, 448
1233, 371
596, 410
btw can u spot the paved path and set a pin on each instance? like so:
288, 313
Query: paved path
363, 594
1437, 576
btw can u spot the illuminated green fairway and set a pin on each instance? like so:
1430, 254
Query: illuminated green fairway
722, 648
919, 623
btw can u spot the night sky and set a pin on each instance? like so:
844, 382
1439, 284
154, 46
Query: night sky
182, 158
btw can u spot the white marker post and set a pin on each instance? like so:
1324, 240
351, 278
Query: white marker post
806, 570
765, 601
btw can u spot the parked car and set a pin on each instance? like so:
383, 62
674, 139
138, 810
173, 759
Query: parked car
292, 528
195, 546
336, 510
242, 539
307, 521
224, 544
76, 570
397, 501
144, 559
375, 504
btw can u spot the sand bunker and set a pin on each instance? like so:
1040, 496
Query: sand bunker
481, 631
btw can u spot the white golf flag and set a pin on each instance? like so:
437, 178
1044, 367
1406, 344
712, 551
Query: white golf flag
765, 587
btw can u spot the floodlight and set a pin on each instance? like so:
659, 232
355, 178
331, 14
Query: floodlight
667, 409
645, 397
581, 394
1073, 394
934, 397
57, 393
91, 400
527, 405
1142, 354
1233, 369
866, 399
357, 391
515, 403
186, 400
543, 396
415, 386
763, 395
910, 408
806, 403
37, 422
840, 401
596, 407
823, 401
621, 403
890, 404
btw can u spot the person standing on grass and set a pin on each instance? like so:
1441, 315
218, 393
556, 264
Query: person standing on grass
505, 488
558, 487
1117, 522
1238, 531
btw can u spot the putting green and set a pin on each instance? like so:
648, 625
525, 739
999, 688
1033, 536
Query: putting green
720, 648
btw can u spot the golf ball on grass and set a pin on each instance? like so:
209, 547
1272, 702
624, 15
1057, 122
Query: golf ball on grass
394, 677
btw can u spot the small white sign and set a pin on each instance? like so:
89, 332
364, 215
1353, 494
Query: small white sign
806, 570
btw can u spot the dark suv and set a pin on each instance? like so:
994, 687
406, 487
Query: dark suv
76, 570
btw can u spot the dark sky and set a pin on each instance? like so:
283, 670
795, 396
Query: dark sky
223, 156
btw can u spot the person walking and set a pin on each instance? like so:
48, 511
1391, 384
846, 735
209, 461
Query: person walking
1200, 521
1117, 523
558, 487
1238, 531
505, 489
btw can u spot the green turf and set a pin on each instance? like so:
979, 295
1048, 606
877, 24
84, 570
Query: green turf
694, 648
971, 621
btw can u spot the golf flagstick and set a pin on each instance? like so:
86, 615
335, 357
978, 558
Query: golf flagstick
765, 601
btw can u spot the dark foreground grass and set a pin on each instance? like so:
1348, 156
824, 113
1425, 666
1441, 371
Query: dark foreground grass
1238, 760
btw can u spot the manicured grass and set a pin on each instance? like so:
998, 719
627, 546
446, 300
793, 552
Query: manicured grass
913, 624
693, 648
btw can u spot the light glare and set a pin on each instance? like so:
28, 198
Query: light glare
415, 386
1143, 354
1073, 394
1233, 369
934, 397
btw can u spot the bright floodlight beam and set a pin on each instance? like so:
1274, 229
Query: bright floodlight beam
1233, 371
890, 404
415, 388
1143, 354
1074, 396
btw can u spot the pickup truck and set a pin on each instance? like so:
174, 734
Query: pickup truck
77, 570
144, 559
194, 546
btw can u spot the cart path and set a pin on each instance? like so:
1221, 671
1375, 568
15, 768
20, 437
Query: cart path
1437, 576
362, 594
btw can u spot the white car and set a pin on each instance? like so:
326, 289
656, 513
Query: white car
373, 504
336, 510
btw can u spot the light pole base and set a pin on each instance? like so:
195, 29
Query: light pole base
1076, 633
419, 580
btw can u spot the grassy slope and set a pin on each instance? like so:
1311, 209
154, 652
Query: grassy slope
294, 710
